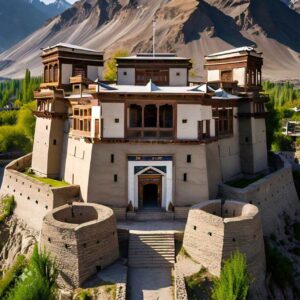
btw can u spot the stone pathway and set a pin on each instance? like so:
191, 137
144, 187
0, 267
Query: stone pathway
150, 284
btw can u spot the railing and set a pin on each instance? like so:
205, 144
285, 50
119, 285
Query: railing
151, 133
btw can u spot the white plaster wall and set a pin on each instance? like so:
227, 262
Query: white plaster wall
260, 153
66, 73
213, 75
128, 79
192, 113
96, 114
110, 112
94, 72
229, 149
239, 75
76, 163
181, 79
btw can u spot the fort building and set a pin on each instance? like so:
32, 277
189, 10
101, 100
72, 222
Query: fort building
150, 140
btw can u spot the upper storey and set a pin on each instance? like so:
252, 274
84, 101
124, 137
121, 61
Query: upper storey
64, 61
240, 66
164, 69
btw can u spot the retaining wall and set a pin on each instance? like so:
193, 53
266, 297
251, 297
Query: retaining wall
275, 196
33, 198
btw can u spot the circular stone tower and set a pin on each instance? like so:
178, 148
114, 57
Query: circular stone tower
213, 231
82, 238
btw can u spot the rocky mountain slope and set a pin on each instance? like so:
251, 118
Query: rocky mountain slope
190, 27
19, 18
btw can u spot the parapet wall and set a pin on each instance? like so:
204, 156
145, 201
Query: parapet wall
82, 238
210, 238
33, 198
275, 196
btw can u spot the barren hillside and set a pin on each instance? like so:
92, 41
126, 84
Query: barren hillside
189, 27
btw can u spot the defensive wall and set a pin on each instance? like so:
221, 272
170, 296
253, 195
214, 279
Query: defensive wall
213, 231
34, 198
83, 239
275, 196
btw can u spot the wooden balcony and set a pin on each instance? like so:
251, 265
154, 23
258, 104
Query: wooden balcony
80, 79
50, 114
82, 133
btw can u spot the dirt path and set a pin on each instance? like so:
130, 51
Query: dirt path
150, 284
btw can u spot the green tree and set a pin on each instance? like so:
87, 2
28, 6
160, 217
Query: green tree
38, 281
234, 282
110, 71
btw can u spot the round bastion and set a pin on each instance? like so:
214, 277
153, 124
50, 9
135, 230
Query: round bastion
214, 230
82, 238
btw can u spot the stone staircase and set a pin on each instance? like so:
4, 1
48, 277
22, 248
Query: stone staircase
151, 249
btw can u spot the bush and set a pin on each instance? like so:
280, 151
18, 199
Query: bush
110, 71
282, 142
38, 281
7, 205
234, 281
10, 277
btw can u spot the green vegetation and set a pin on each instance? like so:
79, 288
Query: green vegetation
280, 267
234, 281
17, 127
38, 280
199, 285
107, 288
244, 182
52, 182
110, 71
8, 281
283, 97
7, 205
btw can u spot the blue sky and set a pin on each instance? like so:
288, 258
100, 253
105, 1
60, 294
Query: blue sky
49, 1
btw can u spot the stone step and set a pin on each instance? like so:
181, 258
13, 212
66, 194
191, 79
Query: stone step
150, 249
150, 215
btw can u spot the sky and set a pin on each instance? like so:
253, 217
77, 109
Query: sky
50, 1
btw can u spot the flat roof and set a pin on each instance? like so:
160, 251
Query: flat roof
234, 52
156, 56
71, 47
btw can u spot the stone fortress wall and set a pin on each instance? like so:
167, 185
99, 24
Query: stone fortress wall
275, 196
83, 239
33, 198
213, 231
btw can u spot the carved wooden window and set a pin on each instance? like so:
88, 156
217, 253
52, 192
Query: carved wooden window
55, 79
50, 73
46, 74
224, 121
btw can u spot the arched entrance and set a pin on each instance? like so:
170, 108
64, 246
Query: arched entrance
150, 190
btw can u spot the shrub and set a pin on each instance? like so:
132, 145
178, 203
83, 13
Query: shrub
110, 71
6, 207
38, 281
234, 281
10, 277
281, 142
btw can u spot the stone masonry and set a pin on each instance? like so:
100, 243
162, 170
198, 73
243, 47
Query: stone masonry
82, 238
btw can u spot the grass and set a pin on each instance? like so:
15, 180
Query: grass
110, 289
199, 285
9, 279
52, 182
7, 205
244, 182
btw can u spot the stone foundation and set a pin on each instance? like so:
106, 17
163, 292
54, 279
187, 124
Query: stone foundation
82, 238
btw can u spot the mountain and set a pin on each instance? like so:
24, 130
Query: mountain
294, 4
19, 18
191, 28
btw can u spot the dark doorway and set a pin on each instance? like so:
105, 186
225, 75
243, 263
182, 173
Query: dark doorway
150, 195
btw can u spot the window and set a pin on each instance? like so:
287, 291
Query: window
54, 142
184, 176
135, 116
55, 77
189, 158
150, 115
117, 120
112, 158
115, 178
224, 121
125, 73
184, 121
166, 116
79, 70
46, 74
50, 74
177, 74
